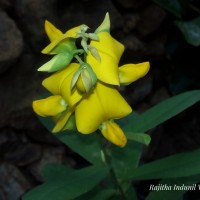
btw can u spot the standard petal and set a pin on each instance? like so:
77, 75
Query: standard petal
72, 32
113, 133
50, 106
131, 72
110, 51
69, 34
103, 104
60, 83
52, 32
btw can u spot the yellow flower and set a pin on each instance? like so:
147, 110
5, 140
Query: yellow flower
50, 106
110, 51
103, 104
60, 84
131, 72
107, 70
56, 37
54, 106
113, 133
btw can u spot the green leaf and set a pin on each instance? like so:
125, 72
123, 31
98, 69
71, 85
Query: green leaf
125, 159
173, 194
176, 7
139, 137
51, 172
58, 62
190, 31
104, 195
68, 186
86, 146
179, 165
162, 112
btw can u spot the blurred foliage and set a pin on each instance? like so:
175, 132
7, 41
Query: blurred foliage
180, 8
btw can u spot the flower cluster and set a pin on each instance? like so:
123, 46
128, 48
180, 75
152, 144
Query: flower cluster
84, 85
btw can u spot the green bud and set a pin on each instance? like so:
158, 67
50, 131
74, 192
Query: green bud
75, 78
64, 46
93, 36
105, 25
84, 28
94, 53
84, 45
88, 77
58, 62
84, 78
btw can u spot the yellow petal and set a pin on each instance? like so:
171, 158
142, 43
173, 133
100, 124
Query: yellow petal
60, 83
110, 51
102, 104
113, 133
52, 32
62, 120
72, 32
131, 72
51, 106
69, 34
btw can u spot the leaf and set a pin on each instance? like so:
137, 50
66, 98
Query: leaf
103, 194
86, 146
190, 31
69, 186
51, 172
173, 194
176, 7
162, 112
179, 165
139, 137
125, 159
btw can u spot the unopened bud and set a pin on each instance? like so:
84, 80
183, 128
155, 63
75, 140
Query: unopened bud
84, 79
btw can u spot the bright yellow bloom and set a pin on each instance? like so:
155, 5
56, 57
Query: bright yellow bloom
103, 104
107, 70
110, 51
50, 106
131, 72
54, 106
56, 36
60, 84
96, 109
89, 93
113, 133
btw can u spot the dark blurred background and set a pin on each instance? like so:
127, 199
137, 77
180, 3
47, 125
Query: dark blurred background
149, 31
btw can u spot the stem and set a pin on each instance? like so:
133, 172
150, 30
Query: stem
78, 59
106, 152
194, 8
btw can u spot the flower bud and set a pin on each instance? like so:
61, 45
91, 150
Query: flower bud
112, 132
87, 79
58, 62
84, 78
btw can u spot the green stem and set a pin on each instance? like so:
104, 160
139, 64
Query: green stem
78, 59
108, 158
